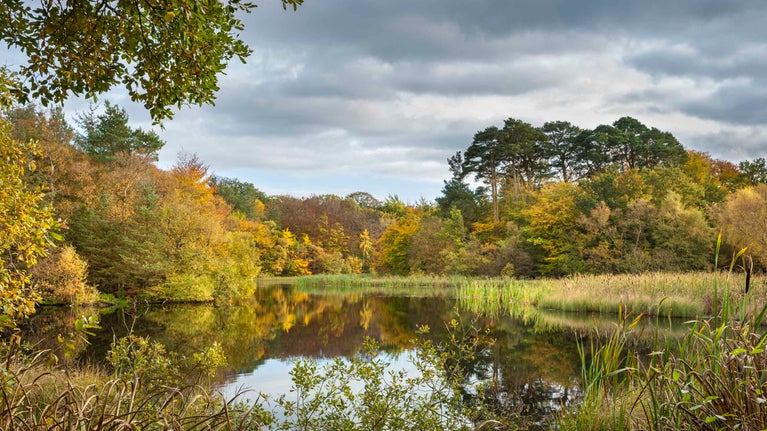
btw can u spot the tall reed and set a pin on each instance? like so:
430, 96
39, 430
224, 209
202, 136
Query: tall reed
713, 378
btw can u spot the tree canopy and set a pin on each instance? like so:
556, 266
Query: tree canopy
107, 136
165, 54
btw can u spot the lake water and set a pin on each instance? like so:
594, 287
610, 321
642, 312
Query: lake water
536, 361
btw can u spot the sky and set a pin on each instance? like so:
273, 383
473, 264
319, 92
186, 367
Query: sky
375, 95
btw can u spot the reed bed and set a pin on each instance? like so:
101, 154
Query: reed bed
713, 378
683, 295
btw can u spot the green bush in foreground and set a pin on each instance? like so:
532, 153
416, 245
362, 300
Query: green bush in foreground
364, 394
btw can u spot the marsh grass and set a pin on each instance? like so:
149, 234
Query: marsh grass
712, 378
37, 394
682, 295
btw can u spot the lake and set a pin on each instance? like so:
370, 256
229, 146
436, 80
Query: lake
535, 359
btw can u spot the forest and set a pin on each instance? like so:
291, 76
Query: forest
523, 201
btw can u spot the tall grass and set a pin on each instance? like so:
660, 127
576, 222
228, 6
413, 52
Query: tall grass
349, 281
35, 395
684, 295
713, 378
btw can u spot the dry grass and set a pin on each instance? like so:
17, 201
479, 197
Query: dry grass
37, 395
686, 295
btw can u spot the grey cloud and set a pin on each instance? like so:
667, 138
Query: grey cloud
331, 86
735, 104
734, 144
739, 102
742, 62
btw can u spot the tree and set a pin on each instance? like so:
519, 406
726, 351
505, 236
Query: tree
107, 136
563, 149
366, 248
629, 144
592, 150
682, 238
743, 221
393, 206
457, 194
243, 197
424, 254
364, 199
165, 54
755, 171
485, 158
527, 153
60, 278
395, 244
717, 177
25, 227
553, 224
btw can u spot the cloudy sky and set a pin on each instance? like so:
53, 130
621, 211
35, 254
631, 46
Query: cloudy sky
375, 95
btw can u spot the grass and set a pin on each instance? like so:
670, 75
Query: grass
712, 378
400, 285
683, 295
36, 393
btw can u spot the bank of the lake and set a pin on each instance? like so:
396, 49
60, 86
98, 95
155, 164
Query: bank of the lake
535, 357
678, 295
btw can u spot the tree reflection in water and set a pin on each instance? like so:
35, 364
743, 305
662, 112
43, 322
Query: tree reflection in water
537, 371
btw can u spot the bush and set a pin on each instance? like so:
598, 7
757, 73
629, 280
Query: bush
60, 278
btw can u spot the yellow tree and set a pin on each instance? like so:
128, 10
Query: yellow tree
743, 221
25, 227
366, 247
553, 225
395, 244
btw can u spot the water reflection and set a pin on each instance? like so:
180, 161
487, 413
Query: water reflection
537, 363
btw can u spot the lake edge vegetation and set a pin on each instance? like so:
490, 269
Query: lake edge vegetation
557, 201
127, 228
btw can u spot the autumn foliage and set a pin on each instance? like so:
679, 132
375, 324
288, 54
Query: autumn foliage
553, 207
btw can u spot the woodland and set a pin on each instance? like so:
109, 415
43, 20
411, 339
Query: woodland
87, 216
523, 201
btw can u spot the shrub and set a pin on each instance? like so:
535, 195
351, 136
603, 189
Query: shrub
60, 278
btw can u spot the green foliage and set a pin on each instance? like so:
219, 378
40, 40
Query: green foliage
363, 393
457, 194
711, 379
149, 363
242, 196
77, 338
755, 170
107, 136
566, 155
393, 206
142, 360
165, 55
553, 217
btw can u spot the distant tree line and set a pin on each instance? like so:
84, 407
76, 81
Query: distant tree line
552, 201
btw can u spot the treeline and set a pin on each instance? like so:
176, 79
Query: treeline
619, 198
554, 200
127, 227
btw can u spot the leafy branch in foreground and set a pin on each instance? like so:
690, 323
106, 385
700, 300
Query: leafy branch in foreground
165, 54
